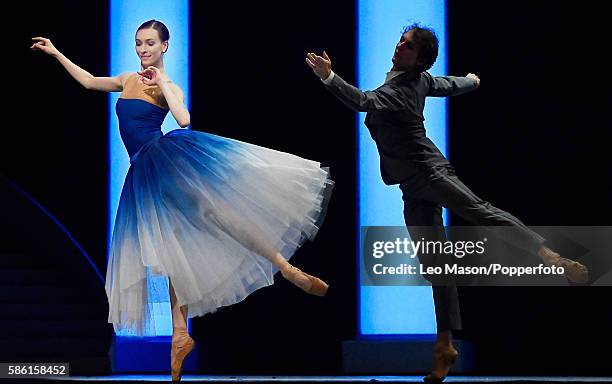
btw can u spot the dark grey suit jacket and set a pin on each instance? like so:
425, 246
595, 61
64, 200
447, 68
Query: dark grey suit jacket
395, 119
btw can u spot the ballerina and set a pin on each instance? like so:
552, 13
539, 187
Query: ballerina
218, 217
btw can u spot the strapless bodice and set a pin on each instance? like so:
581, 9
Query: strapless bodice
141, 110
139, 122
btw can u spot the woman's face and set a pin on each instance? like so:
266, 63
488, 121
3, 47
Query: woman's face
149, 47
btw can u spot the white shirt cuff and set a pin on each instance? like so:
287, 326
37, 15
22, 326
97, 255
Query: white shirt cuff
329, 78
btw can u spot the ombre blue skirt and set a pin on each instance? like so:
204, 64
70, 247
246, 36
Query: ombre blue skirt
201, 211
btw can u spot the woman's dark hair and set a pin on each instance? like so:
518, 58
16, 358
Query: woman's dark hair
157, 25
427, 42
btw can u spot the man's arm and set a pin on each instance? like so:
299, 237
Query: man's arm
451, 85
384, 98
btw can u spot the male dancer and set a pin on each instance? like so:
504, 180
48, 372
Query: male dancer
426, 178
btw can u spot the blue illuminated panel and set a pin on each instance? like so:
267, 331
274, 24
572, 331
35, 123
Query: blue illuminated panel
393, 310
125, 17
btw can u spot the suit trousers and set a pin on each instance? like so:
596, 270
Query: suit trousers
424, 195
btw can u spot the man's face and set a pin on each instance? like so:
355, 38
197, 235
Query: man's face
405, 57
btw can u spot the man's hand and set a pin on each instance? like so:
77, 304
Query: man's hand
321, 66
473, 76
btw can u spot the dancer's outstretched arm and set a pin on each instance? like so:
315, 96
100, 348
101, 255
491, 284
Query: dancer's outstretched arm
86, 79
443, 86
387, 97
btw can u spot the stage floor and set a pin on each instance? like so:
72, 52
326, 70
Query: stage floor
339, 379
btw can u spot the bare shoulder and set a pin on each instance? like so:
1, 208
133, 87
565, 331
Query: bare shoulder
123, 77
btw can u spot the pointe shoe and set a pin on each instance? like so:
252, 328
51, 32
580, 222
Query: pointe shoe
574, 271
310, 284
179, 351
443, 361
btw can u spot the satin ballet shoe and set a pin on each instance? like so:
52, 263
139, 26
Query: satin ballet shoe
313, 285
574, 271
443, 361
181, 347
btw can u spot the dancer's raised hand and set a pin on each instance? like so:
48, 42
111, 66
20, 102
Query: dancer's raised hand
473, 76
152, 76
321, 65
45, 45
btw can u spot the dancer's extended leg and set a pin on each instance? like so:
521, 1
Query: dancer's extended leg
447, 190
248, 234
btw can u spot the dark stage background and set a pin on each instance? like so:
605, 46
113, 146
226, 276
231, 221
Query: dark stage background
531, 140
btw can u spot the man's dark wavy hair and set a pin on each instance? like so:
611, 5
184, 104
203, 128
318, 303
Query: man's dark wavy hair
427, 41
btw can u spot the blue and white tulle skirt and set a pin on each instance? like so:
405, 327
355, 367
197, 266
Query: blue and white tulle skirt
201, 210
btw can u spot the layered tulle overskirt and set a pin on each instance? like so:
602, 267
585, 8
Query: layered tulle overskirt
203, 212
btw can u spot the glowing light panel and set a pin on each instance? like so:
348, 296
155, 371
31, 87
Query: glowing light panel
125, 17
389, 310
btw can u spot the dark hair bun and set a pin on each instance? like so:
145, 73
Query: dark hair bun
161, 29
